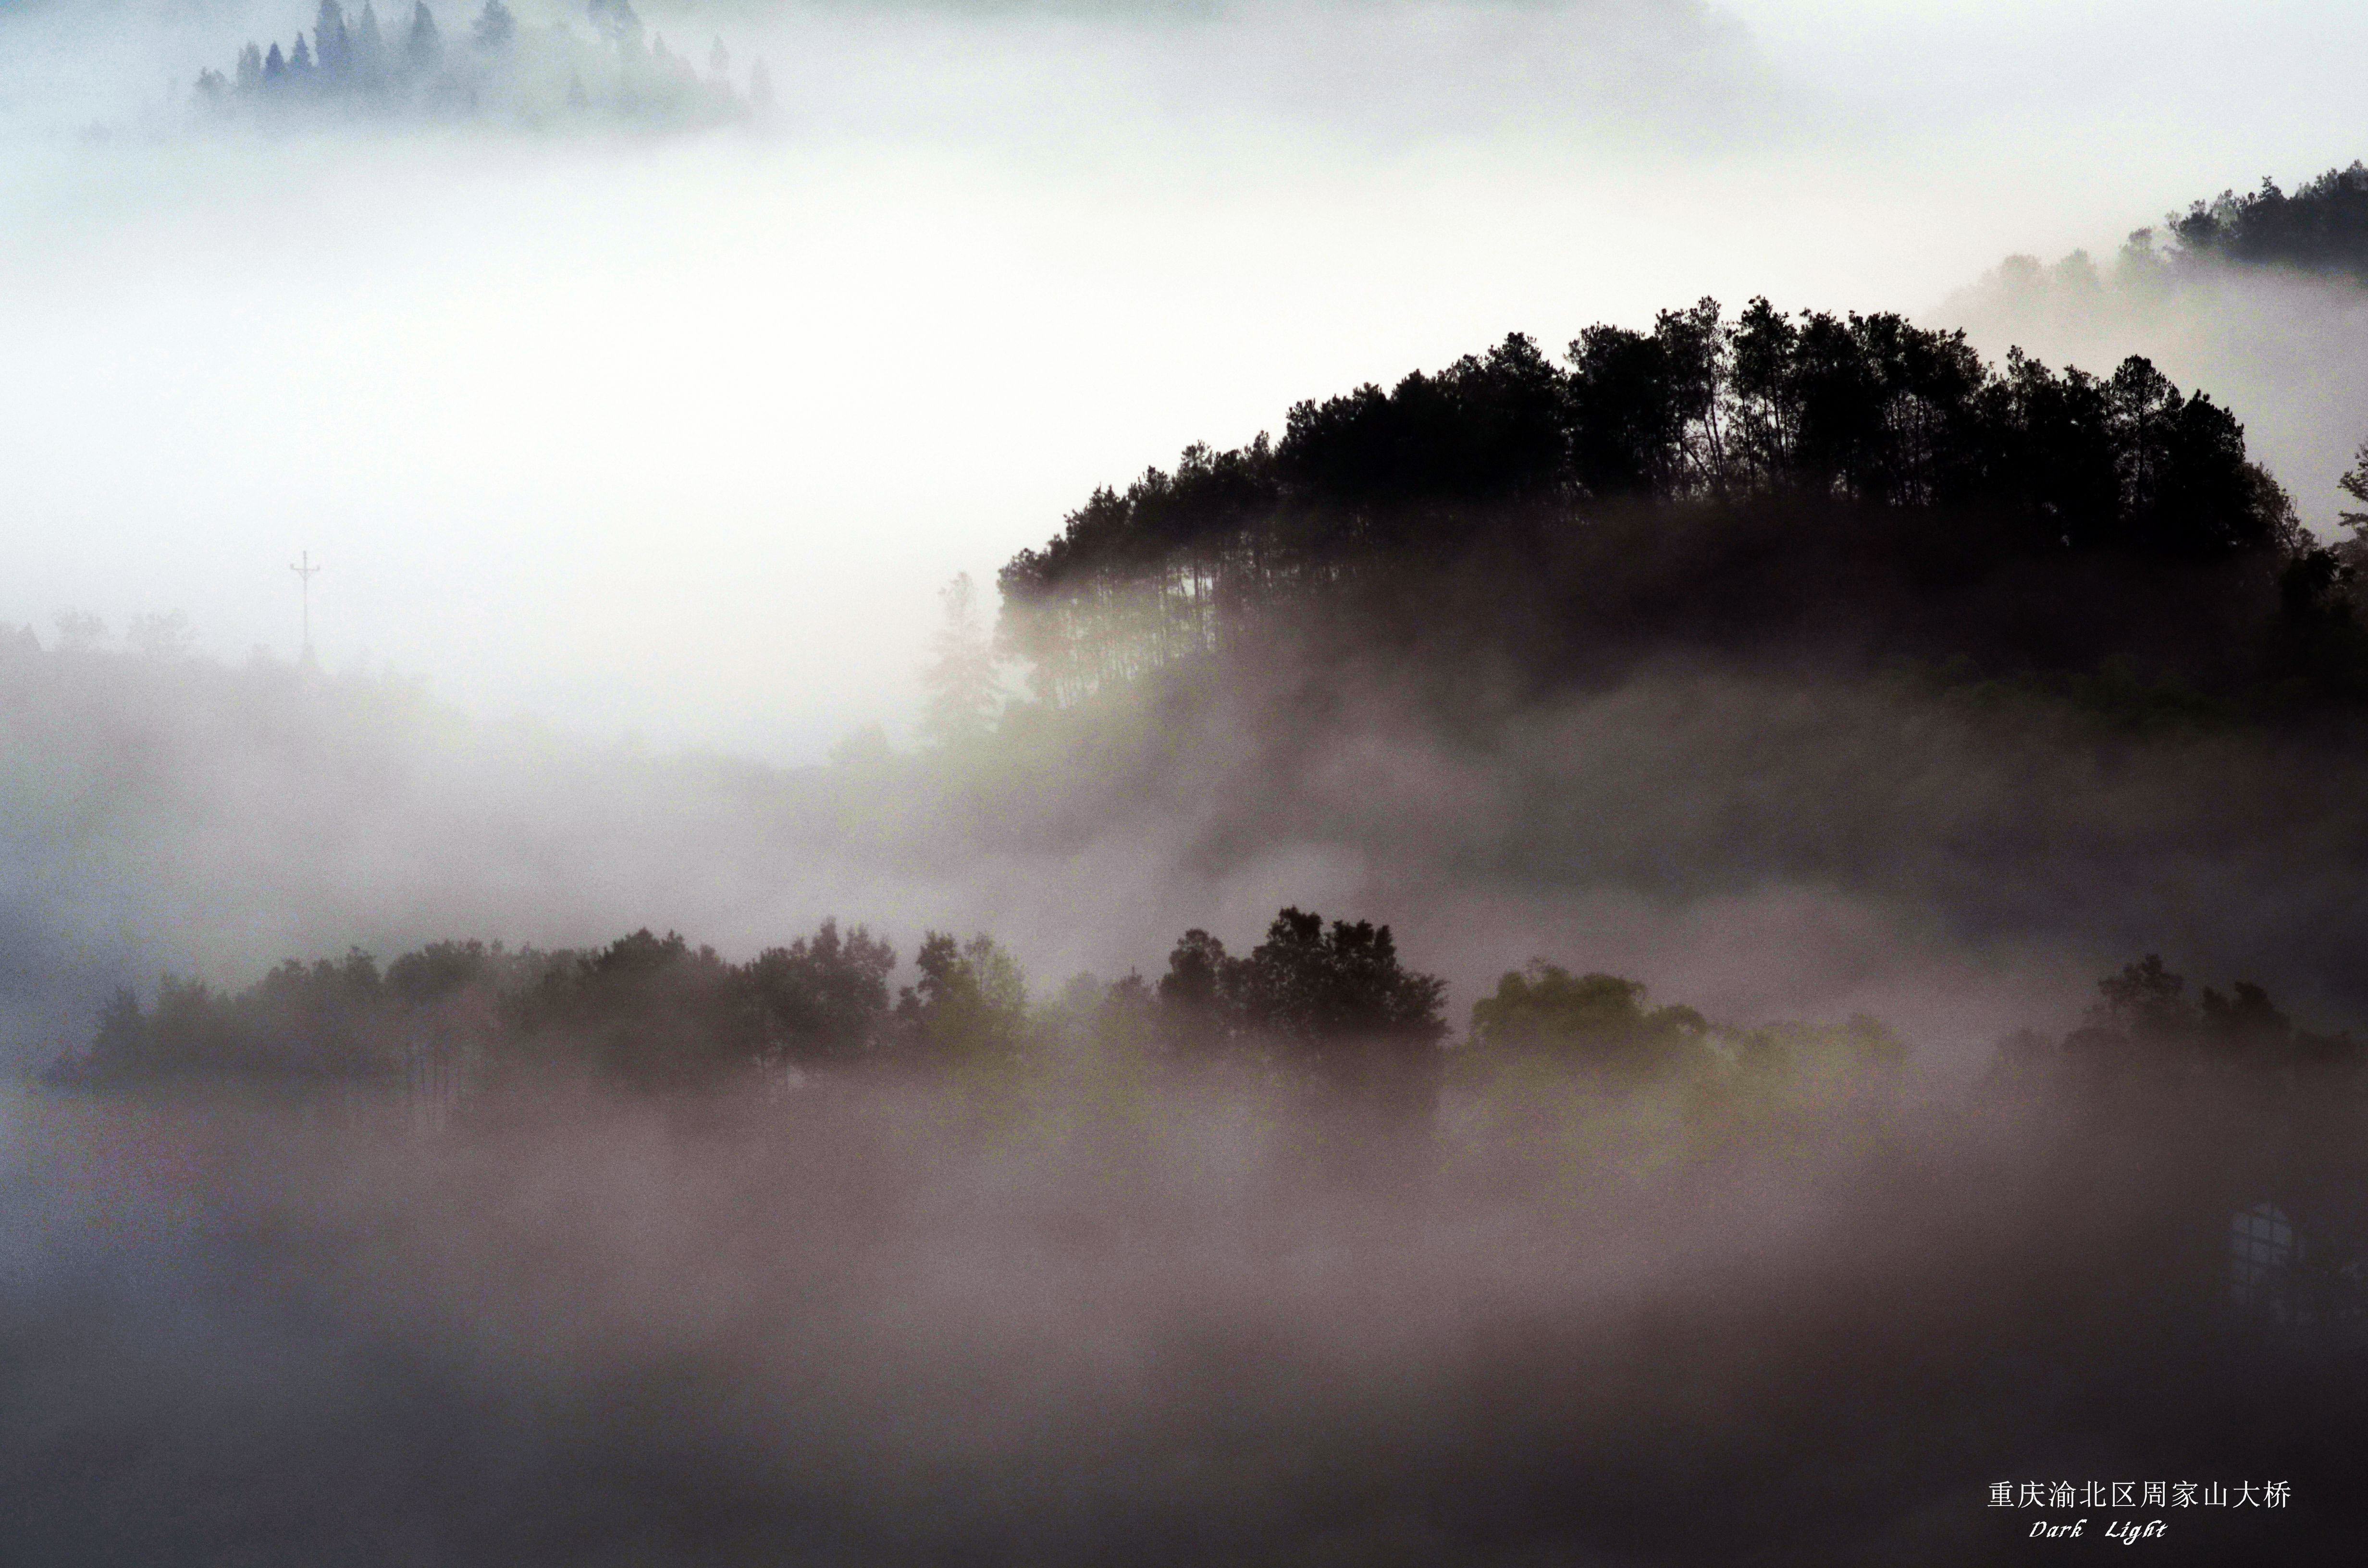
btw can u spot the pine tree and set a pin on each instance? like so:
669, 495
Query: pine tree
426, 46
616, 20
369, 46
496, 27
959, 687
331, 45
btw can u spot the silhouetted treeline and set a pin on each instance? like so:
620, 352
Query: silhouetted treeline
1329, 1006
2260, 1112
656, 1011
1841, 481
2146, 1029
1326, 1004
495, 64
2321, 224
653, 1010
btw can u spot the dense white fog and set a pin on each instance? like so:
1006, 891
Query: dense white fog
675, 434
668, 435
1697, 954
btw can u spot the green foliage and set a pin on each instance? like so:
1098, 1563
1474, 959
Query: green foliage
324, 1019
1597, 1022
1810, 1054
1115, 1026
1305, 991
824, 997
1333, 1006
1545, 1032
969, 1007
647, 1010
442, 970
1323, 1005
2116, 695
650, 1010
1311, 986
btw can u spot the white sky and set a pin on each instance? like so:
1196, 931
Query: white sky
680, 439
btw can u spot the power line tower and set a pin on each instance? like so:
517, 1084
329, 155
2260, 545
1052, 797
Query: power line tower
304, 575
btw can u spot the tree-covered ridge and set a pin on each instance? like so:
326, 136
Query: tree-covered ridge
494, 66
1801, 433
2322, 225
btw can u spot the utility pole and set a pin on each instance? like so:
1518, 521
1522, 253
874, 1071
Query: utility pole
304, 575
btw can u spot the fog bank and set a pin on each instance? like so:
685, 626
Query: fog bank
675, 435
873, 1325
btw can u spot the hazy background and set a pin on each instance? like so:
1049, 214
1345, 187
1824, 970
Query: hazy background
675, 436
638, 459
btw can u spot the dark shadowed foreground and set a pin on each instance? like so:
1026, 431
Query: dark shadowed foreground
1101, 1318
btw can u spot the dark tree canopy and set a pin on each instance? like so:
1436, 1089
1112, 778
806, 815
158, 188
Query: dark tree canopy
1597, 1020
1858, 437
968, 1010
1330, 1002
2145, 1027
824, 996
653, 1011
2321, 225
645, 1009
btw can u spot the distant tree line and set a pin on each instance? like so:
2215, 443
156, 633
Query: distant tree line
1806, 474
2147, 1027
1327, 1006
361, 66
2321, 225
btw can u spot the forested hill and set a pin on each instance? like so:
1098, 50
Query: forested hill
492, 66
2321, 225
1816, 483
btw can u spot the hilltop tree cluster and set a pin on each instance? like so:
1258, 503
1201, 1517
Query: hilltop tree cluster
493, 66
1823, 471
2321, 225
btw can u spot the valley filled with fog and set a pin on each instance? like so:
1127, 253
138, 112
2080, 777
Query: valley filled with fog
1407, 782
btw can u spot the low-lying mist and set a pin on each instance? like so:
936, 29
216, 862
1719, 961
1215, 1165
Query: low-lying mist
1788, 715
1096, 1317
1757, 838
